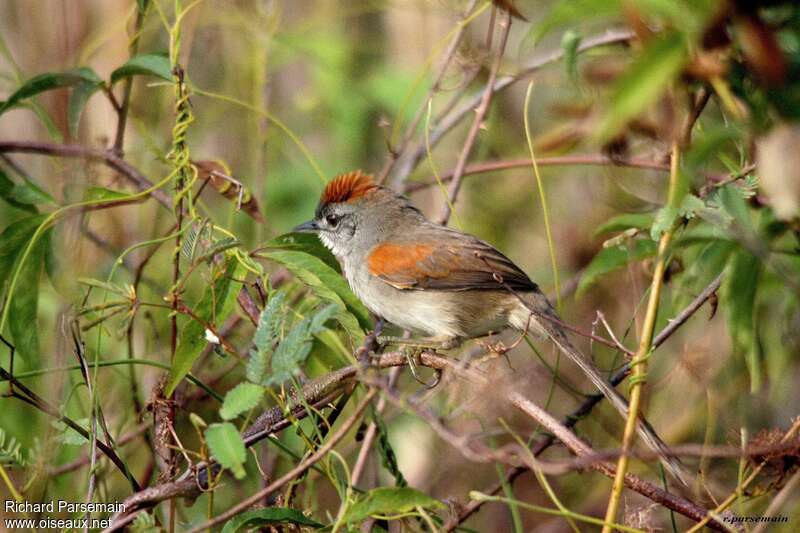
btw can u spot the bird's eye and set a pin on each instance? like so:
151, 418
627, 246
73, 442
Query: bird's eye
332, 220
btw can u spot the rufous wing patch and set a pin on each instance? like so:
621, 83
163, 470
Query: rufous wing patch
347, 187
404, 265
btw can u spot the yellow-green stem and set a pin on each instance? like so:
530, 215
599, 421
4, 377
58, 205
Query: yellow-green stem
540, 185
639, 362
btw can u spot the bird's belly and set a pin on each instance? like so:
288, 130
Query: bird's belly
438, 314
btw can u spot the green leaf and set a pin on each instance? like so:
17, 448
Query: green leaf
49, 81
611, 259
12, 241
388, 457
30, 194
7, 193
101, 193
304, 242
264, 517
216, 304
644, 81
24, 304
295, 347
571, 12
624, 222
328, 285
227, 447
144, 65
731, 200
241, 398
269, 326
77, 102
740, 289
665, 219
389, 501
25, 300
68, 435
570, 42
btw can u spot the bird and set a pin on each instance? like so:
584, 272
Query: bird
443, 283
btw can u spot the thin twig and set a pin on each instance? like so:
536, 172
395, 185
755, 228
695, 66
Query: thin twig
76, 151
454, 118
591, 401
508, 164
477, 122
395, 153
304, 465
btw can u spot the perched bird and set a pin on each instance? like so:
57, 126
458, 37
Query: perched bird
444, 283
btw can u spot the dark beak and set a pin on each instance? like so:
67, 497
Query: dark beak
307, 227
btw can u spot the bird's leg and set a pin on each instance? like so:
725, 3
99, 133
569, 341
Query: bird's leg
371, 343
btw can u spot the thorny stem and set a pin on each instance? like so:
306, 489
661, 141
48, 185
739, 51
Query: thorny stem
639, 362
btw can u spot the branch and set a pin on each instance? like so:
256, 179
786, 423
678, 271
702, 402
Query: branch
454, 118
588, 160
76, 151
591, 401
477, 122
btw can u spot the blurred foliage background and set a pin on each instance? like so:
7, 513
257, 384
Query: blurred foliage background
284, 95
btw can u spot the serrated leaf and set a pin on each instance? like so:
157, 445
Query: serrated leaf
227, 447
144, 65
214, 305
644, 81
77, 102
624, 222
741, 285
240, 399
611, 259
49, 81
295, 347
291, 352
263, 517
390, 501
269, 326
328, 285
6, 193
320, 317
101, 193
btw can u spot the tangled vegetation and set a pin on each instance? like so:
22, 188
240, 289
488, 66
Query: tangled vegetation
167, 345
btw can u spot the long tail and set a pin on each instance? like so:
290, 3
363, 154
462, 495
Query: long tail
538, 305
